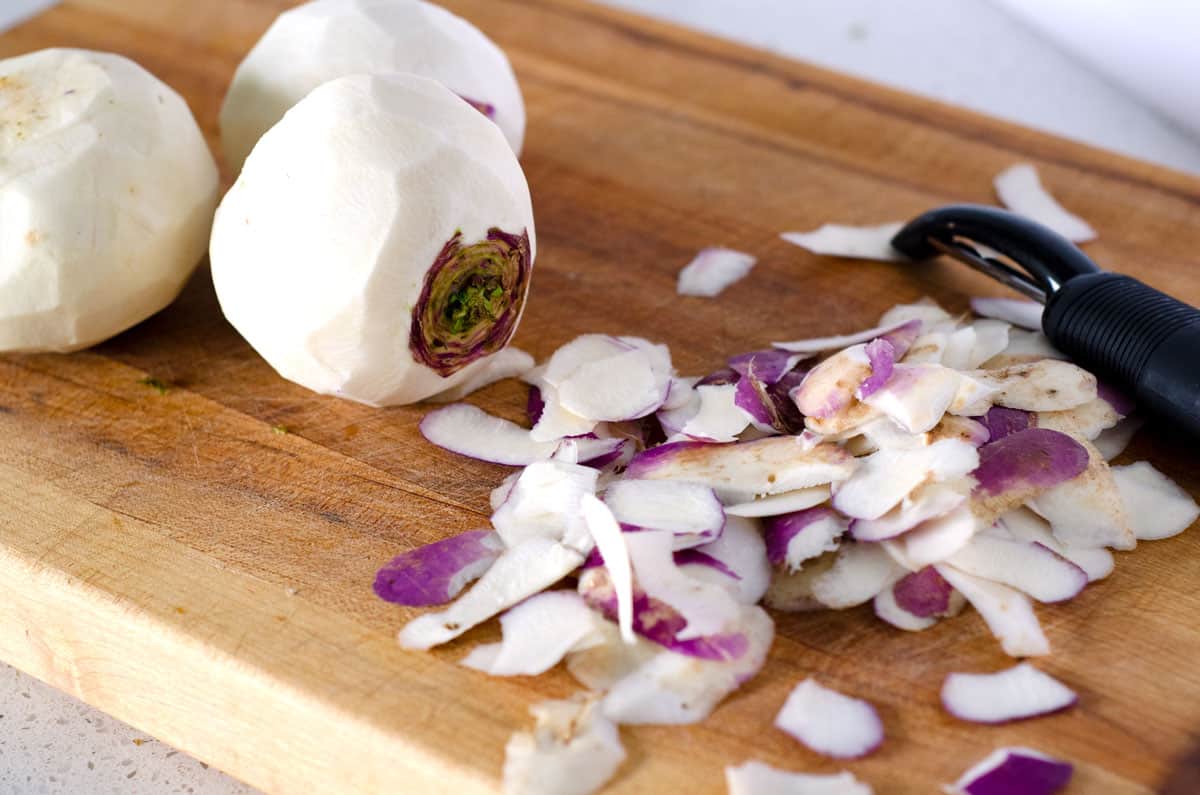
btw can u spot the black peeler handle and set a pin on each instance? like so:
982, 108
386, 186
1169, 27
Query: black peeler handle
1127, 331
1123, 330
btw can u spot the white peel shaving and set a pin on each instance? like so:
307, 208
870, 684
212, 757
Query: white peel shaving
1013, 694
706, 608
776, 504
1007, 612
610, 541
573, 750
671, 688
712, 271
1156, 507
538, 633
756, 778
859, 242
829, 722
1021, 191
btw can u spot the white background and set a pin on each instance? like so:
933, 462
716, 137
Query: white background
966, 52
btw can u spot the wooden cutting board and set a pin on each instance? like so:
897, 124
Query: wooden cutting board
173, 560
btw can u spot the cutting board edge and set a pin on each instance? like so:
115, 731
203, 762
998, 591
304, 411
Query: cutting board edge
150, 662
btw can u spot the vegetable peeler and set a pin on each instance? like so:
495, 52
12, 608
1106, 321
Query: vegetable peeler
1123, 330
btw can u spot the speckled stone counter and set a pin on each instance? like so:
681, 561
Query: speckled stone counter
53, 743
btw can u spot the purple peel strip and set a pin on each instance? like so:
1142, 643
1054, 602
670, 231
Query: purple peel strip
421, 576
660, 623
1036, 457
1001, 422
649, 460
750, 396
778, 531
923, 593
1121, 402
684, 557
882, 357
769, 365
720, 377
534, 405
902, 337
1022, 775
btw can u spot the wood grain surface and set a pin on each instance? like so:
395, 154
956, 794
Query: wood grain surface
172, 560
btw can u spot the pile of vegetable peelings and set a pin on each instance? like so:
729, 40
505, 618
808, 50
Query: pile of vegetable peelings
926, 464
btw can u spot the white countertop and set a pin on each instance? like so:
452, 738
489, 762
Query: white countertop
966, 52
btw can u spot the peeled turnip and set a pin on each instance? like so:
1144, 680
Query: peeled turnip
407, 294
327, 39
507, 363
107, 189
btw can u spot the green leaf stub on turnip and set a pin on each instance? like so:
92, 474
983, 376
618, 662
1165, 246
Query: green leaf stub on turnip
471, 300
